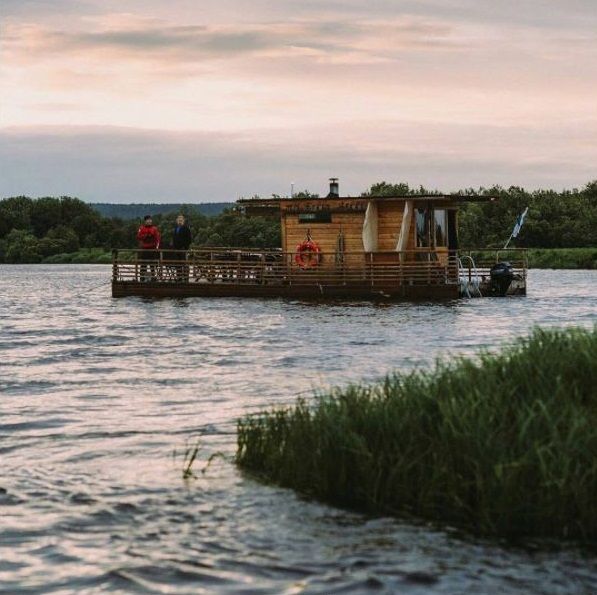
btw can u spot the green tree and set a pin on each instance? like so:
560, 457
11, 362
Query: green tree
387, 189
14, 214
305, 194
45, 213
60, 239
400, 189
22, 247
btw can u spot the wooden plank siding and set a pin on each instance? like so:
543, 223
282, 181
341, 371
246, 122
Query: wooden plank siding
350, 223
325, 235
389, 223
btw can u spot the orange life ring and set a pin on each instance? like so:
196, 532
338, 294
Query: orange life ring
308, 255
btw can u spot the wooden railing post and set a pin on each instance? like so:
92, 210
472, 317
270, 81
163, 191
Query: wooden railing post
289, 267
114, 265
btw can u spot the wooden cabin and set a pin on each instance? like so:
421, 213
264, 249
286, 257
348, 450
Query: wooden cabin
364, 247
382, 226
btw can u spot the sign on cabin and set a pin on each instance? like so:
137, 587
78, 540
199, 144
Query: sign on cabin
316, 217
332, 207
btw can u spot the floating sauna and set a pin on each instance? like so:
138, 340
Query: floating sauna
385, 248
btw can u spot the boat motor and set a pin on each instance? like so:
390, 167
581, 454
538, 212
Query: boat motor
501, 275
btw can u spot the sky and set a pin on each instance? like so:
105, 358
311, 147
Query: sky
187, 101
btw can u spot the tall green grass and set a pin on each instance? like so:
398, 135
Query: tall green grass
83, 256
503, 445
563, 258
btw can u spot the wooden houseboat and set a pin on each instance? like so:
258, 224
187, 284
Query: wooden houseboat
366, 247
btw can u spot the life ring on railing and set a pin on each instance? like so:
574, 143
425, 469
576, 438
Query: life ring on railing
308, 255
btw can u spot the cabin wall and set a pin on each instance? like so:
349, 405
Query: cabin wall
348, 216
343, 216
350, 222
389, 224
326, 234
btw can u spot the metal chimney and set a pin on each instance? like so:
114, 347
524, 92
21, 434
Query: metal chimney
334, 188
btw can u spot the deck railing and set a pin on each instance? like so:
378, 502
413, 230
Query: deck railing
247, 266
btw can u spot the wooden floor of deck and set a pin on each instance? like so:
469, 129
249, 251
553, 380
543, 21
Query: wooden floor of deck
311, 292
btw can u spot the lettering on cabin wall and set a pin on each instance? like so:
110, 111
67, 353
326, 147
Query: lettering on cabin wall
315, 217
343, 207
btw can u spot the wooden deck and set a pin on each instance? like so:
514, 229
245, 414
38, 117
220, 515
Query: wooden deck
224, 272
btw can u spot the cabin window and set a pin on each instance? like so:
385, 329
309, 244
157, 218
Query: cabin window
422, 220
440, 226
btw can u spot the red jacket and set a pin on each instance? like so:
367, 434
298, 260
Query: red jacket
148, 237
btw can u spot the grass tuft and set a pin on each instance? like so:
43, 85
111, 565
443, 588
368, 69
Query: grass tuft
190, 455
504, 445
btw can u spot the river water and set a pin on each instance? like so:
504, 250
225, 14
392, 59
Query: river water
99, 398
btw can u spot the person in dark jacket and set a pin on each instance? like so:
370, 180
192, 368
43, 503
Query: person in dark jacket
181, 240
148, 238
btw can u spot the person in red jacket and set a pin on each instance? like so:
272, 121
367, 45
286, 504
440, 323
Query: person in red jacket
148, 238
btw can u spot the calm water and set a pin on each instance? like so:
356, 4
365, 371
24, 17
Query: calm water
97, 395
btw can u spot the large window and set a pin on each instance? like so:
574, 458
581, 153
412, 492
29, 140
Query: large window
440, 227
422, 219
432, 227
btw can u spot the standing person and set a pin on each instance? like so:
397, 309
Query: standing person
148, 238
181, 240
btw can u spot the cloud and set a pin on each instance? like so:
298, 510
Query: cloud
125, 165
447, 93
128, 38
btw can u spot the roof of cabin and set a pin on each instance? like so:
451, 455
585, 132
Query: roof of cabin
427, 197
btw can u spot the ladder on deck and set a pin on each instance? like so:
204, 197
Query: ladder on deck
468, 278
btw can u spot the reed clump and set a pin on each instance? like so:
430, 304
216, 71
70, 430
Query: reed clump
503, 445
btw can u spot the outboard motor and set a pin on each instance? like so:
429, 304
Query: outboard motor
501, 277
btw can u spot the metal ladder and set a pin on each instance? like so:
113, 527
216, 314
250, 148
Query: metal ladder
467, 282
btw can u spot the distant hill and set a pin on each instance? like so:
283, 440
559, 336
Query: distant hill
138, 210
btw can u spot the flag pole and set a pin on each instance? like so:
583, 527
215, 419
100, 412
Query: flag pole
506, 244
517, 227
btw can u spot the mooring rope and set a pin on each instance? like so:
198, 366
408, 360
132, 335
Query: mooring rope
90, 289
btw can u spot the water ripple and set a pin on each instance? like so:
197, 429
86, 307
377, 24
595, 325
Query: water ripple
100, 399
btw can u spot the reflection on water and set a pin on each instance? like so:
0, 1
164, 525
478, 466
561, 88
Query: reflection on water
97, 394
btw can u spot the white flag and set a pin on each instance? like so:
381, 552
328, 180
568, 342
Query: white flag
519, 222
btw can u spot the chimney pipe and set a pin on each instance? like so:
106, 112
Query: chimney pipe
334, 188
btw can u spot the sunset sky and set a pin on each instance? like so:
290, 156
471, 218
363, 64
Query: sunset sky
187, 101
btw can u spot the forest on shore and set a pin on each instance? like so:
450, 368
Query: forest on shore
49, 229
136, 210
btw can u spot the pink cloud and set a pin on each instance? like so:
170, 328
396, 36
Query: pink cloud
456, 84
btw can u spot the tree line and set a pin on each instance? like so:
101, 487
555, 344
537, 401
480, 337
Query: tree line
33, 230
128, 211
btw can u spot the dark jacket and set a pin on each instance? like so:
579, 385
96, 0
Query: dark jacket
181, 237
